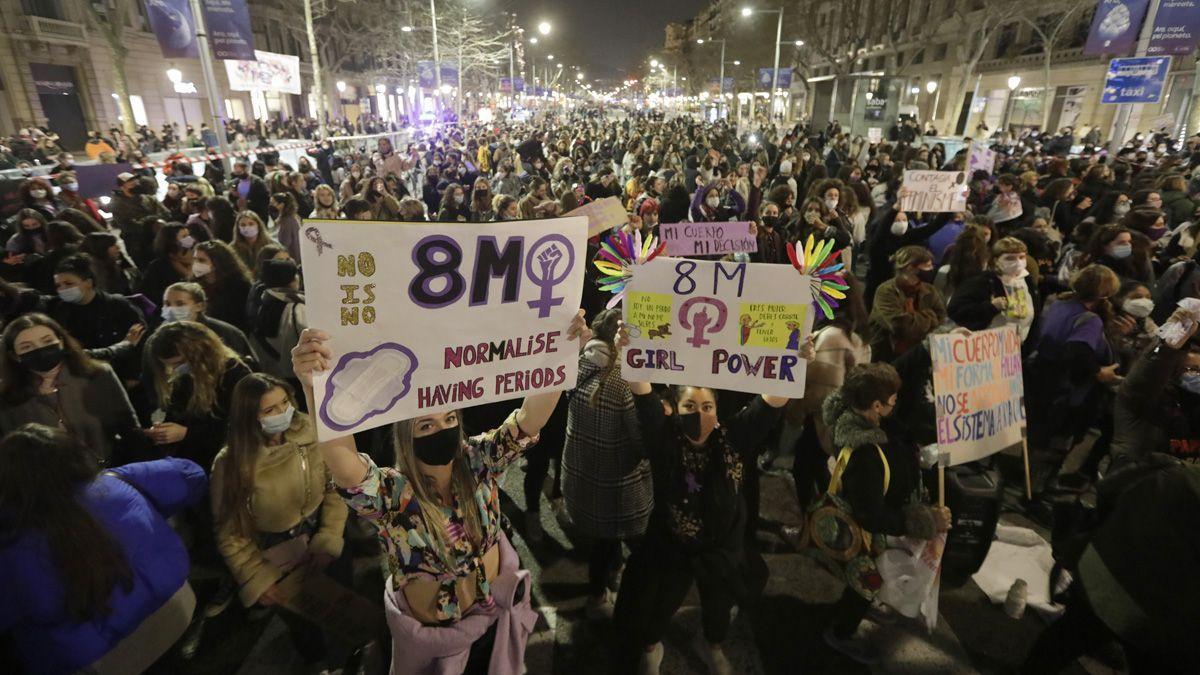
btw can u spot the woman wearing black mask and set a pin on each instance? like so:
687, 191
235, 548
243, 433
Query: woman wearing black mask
45, 377
771, 248
454, 574
696, 531
906, 307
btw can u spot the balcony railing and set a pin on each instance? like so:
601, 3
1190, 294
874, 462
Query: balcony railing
41, 29
1059, 57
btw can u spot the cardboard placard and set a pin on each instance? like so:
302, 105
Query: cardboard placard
687, 239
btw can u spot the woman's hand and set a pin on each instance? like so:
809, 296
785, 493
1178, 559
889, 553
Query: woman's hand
166, 433
311, 355
1108, 374
1000, 303
578, 329
942, 518
135, 333
808, 351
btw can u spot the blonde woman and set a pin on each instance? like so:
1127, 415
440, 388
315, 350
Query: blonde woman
325, 203
249, 237
454, 574
275, 510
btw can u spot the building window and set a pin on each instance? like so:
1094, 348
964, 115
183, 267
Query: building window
139, 111
939, 53
919, 57
47, 9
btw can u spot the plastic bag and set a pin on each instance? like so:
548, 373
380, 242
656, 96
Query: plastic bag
911, 569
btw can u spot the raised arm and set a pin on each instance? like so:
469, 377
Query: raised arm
536, 410
311, 355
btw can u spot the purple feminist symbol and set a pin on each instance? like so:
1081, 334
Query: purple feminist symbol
314, 235
548, 253
700, 322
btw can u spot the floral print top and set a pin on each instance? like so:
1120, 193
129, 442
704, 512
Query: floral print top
385, 498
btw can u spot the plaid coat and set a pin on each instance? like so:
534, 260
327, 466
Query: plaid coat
607, 483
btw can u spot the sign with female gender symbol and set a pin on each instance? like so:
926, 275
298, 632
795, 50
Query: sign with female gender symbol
426, 319
726, 325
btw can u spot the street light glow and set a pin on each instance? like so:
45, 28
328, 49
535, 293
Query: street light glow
653, 63
544, 28
914, 90
406, 29
746, 11
1014, 82
579, 76
799, 43
341, 87
931, 86
700, 41
549, 57
533, 41
174, 75
737, 63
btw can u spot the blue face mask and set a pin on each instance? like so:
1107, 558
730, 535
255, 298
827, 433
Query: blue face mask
72, 295
172, 314
277, 424
1190, 382
1122, 251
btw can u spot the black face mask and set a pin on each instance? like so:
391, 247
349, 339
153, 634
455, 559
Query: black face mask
770, 221
439, 448
927, 275
42, 359
689, 424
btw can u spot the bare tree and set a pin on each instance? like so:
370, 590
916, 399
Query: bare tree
1050, 21
109, 19
977, 23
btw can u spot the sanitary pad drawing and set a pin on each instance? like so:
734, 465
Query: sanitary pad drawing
365, 384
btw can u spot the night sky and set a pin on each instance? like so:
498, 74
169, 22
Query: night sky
602, 36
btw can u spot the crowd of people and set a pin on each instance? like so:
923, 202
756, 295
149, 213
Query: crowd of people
157, 368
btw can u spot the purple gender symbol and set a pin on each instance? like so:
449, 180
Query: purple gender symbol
548, 259
702, 320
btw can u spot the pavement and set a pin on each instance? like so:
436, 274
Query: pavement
781, 633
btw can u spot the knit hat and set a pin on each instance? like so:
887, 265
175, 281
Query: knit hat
649, 205
785, 166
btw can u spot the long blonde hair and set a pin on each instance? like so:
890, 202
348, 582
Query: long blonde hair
462, 482
205, 355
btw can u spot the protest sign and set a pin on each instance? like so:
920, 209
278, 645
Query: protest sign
228, 23
602, 215
736, 326
875, 134
978, 392
268, 72
934, 191
684, 239
981, 159
426, 319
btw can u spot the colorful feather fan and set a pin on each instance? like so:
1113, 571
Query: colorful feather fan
824, 273
617, 255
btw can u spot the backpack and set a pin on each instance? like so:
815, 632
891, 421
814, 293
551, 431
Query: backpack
275, 352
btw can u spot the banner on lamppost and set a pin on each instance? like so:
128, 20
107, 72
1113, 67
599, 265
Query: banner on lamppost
174, 27
228, 23
1136, 80
725, 89
506, 84
270, 72
427, 78
765, 78
1176, 28
1115, 27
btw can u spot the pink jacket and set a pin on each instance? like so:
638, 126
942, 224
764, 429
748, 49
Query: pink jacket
418, 649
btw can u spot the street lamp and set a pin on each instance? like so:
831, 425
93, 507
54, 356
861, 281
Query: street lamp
341, 87
174, 75
544, 28
549, 57
799, 43
931, 86
653, 63
533, 41
406, 29
720, 79
746, 11
1013, 83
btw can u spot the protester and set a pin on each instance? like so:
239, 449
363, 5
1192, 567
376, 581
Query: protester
250, 236
907, 307
226, 281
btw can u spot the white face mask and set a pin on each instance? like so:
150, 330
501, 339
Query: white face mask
458, 199
1121, 209
713, 202
276, 424
72, 187
248, 231
187, 242
37, 194
1012, 267
899, 227
831, 204
200, 269
171, 314
1138, 307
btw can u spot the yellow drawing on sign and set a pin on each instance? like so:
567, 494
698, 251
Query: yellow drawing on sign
778, 326
650, 314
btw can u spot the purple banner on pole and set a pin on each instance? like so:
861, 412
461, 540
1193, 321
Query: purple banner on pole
228, 23
174, 27
684, 239
1176, 28
1115, 28
426, 77
765, 79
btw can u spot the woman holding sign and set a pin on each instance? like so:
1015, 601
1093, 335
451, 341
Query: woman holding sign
456, 601
696, 531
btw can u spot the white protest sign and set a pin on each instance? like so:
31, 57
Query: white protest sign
875, 134
602, 215
934, 191
736, 326
426, 318
685, 239
981, 158
978, 392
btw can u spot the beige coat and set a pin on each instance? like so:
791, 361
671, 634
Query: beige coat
291, 482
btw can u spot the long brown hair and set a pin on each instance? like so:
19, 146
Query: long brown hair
246, 440
227, 266
604, 329
19, 384
41, 470
205, 355
462, 482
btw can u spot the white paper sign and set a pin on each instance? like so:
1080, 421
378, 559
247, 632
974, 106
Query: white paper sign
271, 72
934, 191
875, 134
737, 326
426, 318
981, 158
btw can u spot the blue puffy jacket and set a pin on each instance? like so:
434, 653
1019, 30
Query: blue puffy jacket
33, 605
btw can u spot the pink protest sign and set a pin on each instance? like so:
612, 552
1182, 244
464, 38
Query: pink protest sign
687, 239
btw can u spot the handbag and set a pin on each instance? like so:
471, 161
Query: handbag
835, 539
